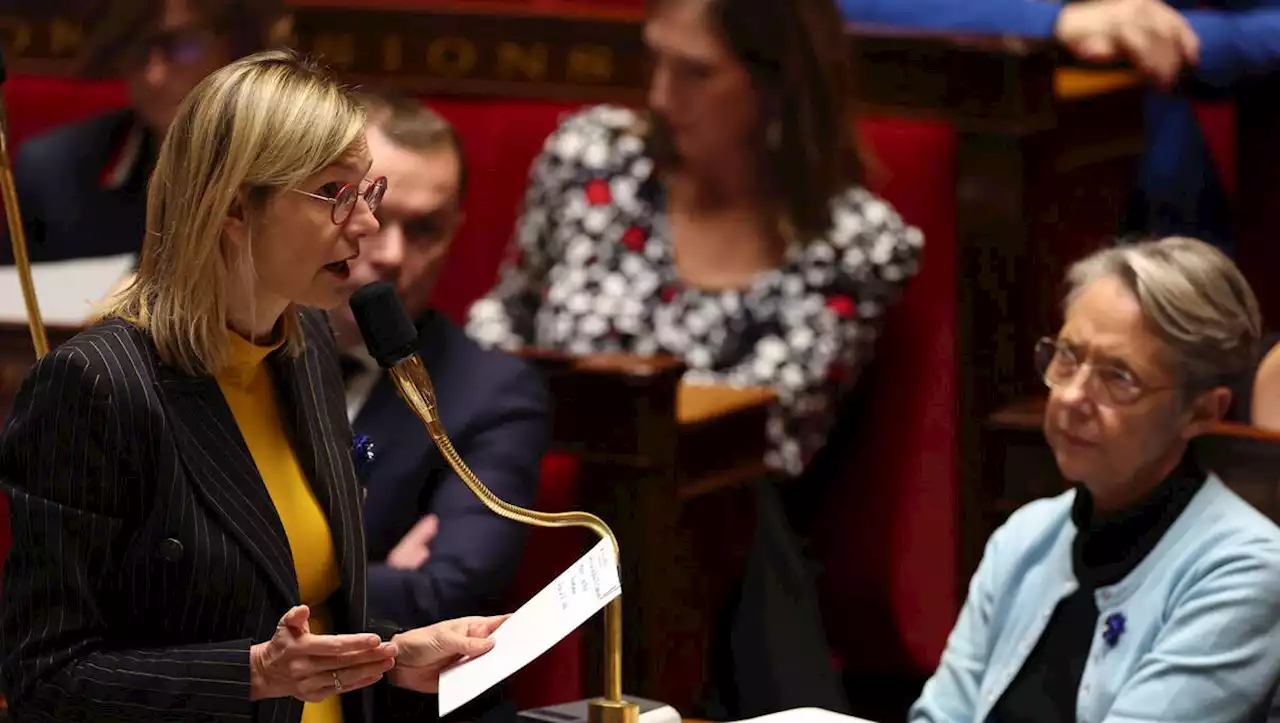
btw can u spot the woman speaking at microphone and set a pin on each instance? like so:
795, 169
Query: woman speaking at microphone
187, 543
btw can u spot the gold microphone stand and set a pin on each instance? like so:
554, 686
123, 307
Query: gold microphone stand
18, 236
415, 388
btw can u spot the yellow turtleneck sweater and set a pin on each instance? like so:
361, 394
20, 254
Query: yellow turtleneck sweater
250, 392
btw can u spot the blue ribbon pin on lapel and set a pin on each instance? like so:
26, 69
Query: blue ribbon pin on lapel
1113, 628
362, 453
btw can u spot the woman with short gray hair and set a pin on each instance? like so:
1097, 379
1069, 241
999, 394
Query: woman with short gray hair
1149, 591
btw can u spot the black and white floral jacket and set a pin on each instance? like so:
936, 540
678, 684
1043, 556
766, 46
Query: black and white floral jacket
591, 270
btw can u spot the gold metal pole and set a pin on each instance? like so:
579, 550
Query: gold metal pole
414, 384
18, 237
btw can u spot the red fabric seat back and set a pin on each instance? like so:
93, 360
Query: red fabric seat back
41, 103
887, 537
556, 676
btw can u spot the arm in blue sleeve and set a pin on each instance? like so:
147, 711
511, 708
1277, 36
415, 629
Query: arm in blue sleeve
27, 176
1235, 45
1028, 18
475, 555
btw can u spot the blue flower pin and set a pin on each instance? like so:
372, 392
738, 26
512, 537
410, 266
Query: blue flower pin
1113, 629
362, 452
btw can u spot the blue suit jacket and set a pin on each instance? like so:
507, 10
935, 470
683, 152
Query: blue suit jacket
73, 203
496, 410
1178, 190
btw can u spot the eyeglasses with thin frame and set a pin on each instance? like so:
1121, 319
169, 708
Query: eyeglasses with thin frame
344, 201
184, 44
1106, 383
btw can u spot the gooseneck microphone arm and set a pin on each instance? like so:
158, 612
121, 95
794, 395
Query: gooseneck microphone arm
17, 234
392, 340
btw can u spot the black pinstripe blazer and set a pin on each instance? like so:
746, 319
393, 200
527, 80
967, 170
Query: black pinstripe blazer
147, 555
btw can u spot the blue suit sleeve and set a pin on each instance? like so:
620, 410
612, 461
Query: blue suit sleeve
26, 176
1236, 45
1028, 18
475, 554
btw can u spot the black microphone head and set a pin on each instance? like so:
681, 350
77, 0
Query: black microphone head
4, 69
389, 333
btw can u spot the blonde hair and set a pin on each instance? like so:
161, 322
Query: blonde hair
1193, 297
247, 132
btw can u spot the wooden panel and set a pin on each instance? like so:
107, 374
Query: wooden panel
468, 53
1030, 200
1258, 190
666, 466
40, 38
17, 355
596, 54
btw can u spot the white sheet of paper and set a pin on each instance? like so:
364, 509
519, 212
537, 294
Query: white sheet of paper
557, 610
805, 715
66, 291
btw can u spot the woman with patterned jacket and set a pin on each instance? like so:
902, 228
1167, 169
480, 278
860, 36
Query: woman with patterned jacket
726, 225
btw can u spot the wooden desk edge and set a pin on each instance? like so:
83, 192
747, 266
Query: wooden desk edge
701, 403
1078, 83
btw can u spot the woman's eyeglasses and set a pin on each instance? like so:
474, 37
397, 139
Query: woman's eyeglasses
344, 201
1106, 383
179, 45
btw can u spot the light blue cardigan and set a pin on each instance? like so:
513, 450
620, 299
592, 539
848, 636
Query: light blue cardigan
1202, 611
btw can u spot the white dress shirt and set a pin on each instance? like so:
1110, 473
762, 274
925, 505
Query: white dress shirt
361, 384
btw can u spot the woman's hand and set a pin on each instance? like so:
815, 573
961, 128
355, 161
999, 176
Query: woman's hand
297, 664
425, 652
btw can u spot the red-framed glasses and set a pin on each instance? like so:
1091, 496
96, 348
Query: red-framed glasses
344, 201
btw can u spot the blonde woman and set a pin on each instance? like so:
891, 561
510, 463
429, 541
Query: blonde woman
187, 543
1150, 591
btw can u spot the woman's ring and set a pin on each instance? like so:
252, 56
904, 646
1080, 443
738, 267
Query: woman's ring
337, 682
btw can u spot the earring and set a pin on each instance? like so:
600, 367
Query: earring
773, 135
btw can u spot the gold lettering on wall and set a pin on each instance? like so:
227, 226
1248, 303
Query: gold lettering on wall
65, 37
392, 53
15, 35
515, 59
451, 57
337, 49
590, 64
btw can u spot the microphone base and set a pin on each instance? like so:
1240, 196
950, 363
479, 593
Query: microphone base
634, 709
600, 710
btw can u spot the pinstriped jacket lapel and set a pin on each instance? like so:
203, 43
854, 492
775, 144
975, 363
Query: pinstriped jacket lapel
313, 409
310, 386
216, 457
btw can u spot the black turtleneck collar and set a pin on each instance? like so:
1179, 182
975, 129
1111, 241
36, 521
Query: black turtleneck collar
1108, 547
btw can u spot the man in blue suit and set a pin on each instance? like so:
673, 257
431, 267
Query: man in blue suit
1212, 46
435, 551
82, 186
